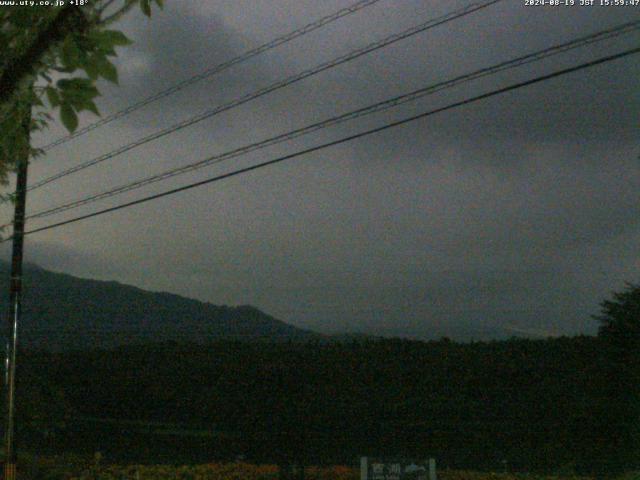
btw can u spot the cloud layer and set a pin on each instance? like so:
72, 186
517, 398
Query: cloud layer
512, 216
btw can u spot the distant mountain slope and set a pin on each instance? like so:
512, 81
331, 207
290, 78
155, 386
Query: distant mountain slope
66, 312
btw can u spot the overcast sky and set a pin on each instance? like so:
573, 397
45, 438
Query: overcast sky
512, 216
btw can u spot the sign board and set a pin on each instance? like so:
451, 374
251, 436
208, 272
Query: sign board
389, 469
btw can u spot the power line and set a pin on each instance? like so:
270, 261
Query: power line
216, 69
275, 86
375, 108
349, 138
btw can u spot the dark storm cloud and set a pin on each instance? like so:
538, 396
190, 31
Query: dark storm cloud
511, 216
196, 42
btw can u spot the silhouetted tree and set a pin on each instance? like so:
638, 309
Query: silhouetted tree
620, 334
620, 317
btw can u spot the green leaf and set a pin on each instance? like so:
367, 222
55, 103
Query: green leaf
75, 84
70, 53
145, 6
84, 103
52, 95
93, 108
92, 69
160, 3
68, 117
108, 71
77, 90
64, 69
114, 38
22, 17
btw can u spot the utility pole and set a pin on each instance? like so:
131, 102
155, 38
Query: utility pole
15, 294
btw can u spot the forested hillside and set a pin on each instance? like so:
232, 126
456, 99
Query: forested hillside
63, 312
538, 405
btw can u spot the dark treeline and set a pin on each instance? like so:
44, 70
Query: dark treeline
543, 405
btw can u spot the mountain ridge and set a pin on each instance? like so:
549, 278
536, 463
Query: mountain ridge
62, 312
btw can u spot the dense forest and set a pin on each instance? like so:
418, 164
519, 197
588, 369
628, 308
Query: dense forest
283, 394
545, 405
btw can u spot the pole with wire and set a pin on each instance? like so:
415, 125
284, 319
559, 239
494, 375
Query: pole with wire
15, 299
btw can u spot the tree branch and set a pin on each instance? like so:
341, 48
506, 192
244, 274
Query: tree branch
70, 18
